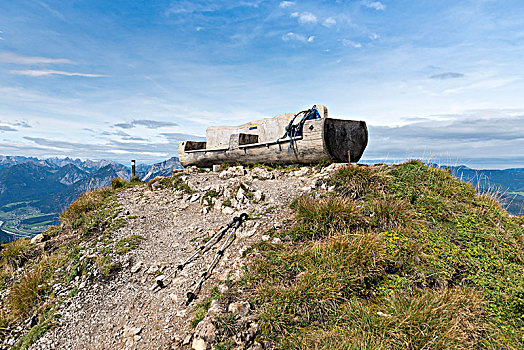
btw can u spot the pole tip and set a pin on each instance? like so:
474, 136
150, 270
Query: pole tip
190, 297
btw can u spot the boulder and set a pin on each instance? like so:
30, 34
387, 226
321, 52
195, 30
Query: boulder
240, 309
199, 344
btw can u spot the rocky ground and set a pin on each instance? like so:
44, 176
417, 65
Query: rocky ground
126, 313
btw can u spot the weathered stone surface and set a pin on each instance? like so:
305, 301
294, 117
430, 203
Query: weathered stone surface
39, 238
137, 267
240, 309
131, 331
199, 344
206, 330
256, 346
216, 308
262, 174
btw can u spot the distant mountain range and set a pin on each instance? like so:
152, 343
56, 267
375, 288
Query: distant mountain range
33, 191
31, 188
507, 185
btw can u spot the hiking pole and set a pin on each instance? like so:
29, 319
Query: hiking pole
161, 282
238, 221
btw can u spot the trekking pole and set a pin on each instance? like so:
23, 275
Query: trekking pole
161, 283
238, 221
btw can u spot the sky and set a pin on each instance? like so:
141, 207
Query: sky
120, 80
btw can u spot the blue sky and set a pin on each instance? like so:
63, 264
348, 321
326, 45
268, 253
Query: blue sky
119, 80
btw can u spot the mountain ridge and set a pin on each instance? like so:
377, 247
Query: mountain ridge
32, 187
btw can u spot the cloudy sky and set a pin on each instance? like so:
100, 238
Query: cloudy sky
119, 79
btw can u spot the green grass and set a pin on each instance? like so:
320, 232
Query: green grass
174, 182
400, 257
127, 244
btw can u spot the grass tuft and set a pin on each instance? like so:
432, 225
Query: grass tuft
320, 217
15, 254
28, 296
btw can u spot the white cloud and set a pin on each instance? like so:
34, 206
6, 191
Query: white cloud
377, 5
285, 4
9, 57
293, 36
42, 73
329, 22
354, 44
374, 36
305, 17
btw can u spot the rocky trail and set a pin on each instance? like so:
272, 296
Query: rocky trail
125, 313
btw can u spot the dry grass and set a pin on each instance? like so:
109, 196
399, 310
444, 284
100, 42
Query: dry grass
441, 319
15, 254
357, 181
27, 296
387, 213
88, 202
320, 217
303, 284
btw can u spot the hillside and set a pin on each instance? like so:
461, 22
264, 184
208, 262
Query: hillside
336, 257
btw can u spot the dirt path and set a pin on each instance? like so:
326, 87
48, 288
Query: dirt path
124, 312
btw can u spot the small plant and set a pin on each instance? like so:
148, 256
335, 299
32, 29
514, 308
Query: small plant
323, 163
111, 268
200, 311
117, 183
127, 244
208, 197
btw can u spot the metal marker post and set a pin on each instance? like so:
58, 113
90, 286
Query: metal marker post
133, 175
